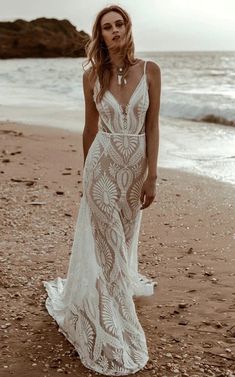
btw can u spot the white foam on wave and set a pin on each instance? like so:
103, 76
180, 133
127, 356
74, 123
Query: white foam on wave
203, 150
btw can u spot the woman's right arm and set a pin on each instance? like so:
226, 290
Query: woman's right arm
91, 115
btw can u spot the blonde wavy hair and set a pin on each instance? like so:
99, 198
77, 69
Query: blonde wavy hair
98, 53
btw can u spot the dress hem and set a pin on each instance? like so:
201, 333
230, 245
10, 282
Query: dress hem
50, 310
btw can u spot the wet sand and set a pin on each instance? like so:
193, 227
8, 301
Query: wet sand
187, 243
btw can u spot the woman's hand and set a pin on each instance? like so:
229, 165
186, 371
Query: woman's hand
148, 192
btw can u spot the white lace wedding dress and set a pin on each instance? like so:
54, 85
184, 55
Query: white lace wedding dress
94, 305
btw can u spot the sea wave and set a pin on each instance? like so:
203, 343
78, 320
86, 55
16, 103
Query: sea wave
200, 113
211, 118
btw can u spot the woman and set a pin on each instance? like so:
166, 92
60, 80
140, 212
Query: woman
94, 305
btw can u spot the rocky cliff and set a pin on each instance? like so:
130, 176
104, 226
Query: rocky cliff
41, 38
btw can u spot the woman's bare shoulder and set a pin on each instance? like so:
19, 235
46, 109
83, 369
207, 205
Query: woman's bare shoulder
153, 68
153, 72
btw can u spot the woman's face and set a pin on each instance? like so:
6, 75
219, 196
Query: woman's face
112, 28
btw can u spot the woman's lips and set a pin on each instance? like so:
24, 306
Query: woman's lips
116, 37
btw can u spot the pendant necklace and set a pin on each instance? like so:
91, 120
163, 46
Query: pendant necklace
121, 76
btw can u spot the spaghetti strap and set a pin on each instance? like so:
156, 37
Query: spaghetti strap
145, 63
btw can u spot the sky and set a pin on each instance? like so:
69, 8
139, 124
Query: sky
158, 25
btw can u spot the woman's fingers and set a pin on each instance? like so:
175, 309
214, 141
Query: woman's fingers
142, 196
147, 201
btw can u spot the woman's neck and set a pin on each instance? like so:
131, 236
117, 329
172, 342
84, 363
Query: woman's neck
116, 61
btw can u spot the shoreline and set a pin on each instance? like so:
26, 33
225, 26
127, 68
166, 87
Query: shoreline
218, 167
186, 243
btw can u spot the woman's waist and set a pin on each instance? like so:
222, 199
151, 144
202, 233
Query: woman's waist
112, 134
118, 128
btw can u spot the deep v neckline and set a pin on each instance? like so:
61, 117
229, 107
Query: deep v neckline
132, 95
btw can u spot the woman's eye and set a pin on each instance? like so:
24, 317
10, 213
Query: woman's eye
117, 25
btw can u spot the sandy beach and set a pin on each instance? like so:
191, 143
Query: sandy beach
187, 243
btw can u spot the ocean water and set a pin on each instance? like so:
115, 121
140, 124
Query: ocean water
196, 86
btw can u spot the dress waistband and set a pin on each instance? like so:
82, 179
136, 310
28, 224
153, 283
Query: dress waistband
110, 134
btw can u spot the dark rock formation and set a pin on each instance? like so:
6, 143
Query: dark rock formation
41, 38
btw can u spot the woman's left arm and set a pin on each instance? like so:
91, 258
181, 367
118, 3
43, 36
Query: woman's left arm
148, 192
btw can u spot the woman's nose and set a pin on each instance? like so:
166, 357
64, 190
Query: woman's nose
115, 28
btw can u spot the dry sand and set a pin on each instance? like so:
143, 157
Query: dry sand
187, 243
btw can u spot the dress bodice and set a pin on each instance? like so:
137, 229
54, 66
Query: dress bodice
114, 118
